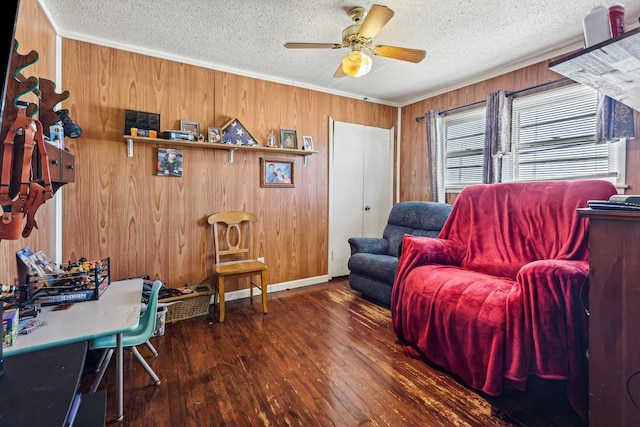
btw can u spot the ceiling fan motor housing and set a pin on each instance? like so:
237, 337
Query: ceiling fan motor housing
351, 38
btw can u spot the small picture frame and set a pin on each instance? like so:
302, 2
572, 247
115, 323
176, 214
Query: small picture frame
307, 143
193, 127
277, 173
288, 139
169, 162
214, 135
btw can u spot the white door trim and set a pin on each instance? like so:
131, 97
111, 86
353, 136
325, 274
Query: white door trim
332, 188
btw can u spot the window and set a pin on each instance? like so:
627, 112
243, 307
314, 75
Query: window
463, 140
553, 137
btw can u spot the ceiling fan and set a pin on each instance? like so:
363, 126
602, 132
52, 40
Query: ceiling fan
359, 37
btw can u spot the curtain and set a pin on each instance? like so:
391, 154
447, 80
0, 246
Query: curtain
614, 120
435, 164
497, 137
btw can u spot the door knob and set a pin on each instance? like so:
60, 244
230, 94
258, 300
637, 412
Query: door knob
367, 208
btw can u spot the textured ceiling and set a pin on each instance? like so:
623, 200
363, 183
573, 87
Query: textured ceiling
465, 40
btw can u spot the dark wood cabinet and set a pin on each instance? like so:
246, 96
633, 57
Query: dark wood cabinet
614, 317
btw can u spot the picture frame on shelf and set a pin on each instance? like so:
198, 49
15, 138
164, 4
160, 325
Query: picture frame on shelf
193, 127
169, 162
214, 135
307, 142
277, 173
288, 139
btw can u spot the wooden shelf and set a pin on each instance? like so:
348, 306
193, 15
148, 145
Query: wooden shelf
212, 145
611, 67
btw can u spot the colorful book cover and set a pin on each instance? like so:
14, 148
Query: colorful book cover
28, 258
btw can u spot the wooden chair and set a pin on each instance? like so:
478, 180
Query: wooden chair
233, 240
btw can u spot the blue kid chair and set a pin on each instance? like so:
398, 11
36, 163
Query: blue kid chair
130, 339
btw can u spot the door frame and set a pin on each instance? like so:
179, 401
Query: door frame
393, 194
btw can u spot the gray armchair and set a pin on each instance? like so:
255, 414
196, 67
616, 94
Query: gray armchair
374, 260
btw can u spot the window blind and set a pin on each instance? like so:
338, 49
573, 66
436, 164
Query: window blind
463, 147
553, 137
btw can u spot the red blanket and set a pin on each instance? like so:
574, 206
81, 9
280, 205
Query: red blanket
500, 294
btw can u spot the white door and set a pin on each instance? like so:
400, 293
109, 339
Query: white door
361, 185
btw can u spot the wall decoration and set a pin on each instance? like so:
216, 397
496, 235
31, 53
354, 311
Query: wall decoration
193, 127
276, 173
214, 135
288, 138
169, 162
234, 133
307, 143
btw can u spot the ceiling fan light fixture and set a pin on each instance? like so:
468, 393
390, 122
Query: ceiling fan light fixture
356, 64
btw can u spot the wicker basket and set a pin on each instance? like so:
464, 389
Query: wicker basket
189, 305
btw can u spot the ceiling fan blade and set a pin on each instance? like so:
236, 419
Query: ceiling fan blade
377, 18
313, 45
401, 53
339, 73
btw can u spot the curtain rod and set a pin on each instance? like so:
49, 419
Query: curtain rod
514, 93
443, 112
440, 113
541, 85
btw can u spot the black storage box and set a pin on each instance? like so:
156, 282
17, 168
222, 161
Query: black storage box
142, 121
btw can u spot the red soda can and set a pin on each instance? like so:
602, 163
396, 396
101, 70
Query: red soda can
616, 19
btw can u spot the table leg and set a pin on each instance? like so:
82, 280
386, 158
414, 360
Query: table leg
119, 377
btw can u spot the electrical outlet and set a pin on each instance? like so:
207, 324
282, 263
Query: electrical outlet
261, 259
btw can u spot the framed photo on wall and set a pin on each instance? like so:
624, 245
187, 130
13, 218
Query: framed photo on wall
169, 162
277, 173
288, 138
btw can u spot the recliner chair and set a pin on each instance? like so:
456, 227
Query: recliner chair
374, 260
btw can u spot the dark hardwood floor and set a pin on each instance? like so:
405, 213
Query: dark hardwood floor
322, 356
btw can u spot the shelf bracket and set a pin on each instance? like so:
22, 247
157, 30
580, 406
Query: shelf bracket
231, 155
304, 161
129, 147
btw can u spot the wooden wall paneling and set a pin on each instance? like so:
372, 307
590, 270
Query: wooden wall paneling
193, 87
131, 196
314, 122
153, 214
88, 197
282, 212
159, 226
33, 32
166, 217
413, 155
157, 209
